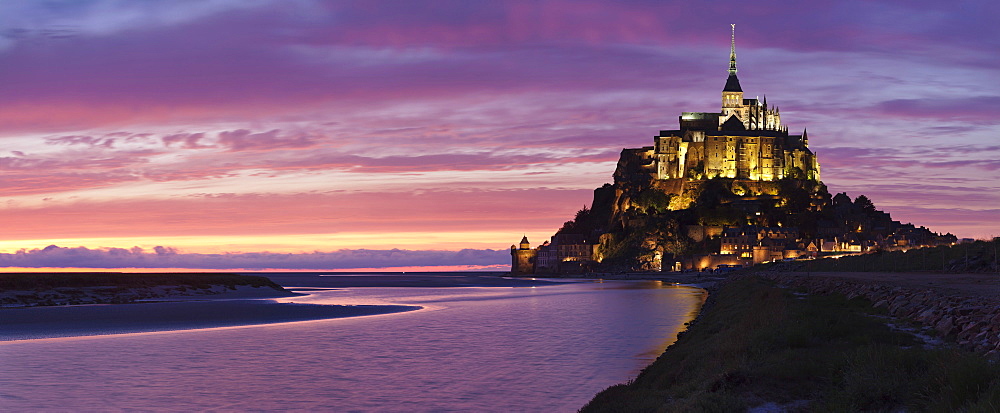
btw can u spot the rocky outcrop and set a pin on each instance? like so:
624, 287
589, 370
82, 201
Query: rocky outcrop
973, 323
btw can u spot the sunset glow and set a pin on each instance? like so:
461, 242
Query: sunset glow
317, 129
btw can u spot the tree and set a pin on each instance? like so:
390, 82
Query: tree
653, 200
713, 192
797, 198
581, 224
864, 204
795, 172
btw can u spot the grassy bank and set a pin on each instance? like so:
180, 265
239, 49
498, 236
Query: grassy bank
979, 256
46, 281
756, 344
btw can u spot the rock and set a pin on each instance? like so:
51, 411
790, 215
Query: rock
897, 304
973, 323
945, 326
968, 331
926, 315
982, 337
995, 320
966, 310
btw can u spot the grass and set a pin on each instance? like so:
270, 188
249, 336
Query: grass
45, 281
756, 343
978, 256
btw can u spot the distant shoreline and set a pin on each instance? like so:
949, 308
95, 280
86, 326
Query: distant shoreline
49, 305
101, 320
56, 289
693, 278
52, 305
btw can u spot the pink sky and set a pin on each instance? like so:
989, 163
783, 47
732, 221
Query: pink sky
317, 129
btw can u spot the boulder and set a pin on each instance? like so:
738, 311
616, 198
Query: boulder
945, 326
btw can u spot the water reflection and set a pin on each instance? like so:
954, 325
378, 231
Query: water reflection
472, 349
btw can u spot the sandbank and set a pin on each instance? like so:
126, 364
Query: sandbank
103, 319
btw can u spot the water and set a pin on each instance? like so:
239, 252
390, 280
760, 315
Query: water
547, 348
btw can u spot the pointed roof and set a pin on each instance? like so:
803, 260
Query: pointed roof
733, 124
524, 240
732, 84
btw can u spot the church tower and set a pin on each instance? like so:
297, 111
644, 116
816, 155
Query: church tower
732, 94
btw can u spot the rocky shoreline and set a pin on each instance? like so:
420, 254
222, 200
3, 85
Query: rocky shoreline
786, 341
972, 322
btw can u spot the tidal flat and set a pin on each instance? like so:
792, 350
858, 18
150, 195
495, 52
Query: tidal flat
47, 305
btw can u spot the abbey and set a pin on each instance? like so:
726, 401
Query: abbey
745, 140
726, 189
739, 166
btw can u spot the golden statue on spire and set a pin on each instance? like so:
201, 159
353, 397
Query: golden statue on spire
732, 52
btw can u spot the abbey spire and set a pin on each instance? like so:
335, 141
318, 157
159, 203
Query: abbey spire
732, 53
749, 114
732, 94
733, 83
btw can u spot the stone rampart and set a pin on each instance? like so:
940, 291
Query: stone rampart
972, 322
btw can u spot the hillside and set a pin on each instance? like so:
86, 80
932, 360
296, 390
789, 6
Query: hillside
728, 188
639, 223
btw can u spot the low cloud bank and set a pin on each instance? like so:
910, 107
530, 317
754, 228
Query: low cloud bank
164, 257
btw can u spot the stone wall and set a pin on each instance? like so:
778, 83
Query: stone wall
973, 323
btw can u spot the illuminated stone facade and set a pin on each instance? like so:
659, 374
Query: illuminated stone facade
522, 258
745, 140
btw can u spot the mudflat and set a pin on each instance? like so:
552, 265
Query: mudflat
90, 320
434, 280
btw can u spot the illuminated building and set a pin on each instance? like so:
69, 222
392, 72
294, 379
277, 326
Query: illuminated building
523, 258
745, 140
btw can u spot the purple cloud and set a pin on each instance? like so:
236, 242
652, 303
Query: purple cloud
165, 257
185, 140
81, 140
978, 109
243, 140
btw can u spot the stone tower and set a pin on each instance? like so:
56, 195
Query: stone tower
732, 94
522, 258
